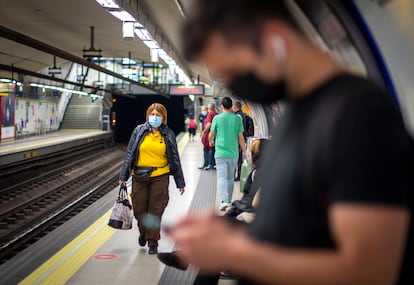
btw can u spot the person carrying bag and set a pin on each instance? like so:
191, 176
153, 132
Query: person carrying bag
151, 157
121, 216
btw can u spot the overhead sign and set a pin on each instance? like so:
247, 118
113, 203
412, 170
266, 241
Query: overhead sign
197, 89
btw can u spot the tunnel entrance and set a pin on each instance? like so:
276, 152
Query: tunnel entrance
130, 111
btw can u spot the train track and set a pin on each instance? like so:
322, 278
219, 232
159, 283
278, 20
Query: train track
10, 174
33, 208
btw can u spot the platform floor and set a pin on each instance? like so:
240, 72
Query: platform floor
45, 140
86, 251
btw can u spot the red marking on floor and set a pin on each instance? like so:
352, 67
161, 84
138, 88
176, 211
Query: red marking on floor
105, 256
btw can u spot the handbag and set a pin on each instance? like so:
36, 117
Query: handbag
143, 174
121, 216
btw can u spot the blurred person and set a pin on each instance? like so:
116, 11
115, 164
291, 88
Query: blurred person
202, 116
192, 126
226, 134
238, 111
242, 210
350, 221
245, 204
152, 147
208, 150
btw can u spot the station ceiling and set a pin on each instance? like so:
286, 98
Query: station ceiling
66, 25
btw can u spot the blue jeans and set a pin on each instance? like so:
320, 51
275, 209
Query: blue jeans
206, 156
209, 157
225, 177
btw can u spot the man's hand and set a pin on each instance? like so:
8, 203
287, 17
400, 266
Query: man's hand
202, 240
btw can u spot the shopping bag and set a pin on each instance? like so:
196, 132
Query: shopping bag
244, 173
121, 216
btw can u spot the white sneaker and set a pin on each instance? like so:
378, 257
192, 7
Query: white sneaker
224, 206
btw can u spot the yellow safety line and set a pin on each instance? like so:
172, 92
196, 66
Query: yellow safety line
182, 143
67, 261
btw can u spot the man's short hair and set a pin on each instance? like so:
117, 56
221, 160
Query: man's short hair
237, 104
227, 103
240, 21
211, 106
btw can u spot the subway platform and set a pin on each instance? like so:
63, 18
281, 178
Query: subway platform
85, 250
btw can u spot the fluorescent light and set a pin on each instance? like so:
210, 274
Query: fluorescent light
122, 15
143, 34
128, 30
170, 62
128, 61
138, 25
108, 4
154, 54
151, 44
59, 89
161, 52
5, 80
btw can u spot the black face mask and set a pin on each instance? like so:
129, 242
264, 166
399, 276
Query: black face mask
249, 87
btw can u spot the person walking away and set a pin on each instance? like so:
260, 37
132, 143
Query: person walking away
152, 151
226, 135
336, 203
238, 111
192, 126
208, 150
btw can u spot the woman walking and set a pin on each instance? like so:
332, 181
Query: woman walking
151, 157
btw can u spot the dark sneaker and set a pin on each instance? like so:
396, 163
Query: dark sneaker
141, 240
171, 259
224, 206
208, 167
202, 167
153, 249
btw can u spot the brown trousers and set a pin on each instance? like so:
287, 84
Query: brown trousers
150, 198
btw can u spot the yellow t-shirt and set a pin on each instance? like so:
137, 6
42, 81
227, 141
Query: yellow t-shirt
153, 153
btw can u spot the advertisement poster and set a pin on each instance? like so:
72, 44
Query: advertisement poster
8, 98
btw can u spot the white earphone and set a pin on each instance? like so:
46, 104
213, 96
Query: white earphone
279, 48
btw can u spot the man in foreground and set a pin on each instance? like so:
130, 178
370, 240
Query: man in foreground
335, 205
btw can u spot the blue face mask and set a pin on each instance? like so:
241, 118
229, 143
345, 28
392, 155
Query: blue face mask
154, 121
204, 113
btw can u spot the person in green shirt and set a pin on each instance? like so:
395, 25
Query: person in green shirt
226, 134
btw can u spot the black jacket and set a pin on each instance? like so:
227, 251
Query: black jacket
172, 153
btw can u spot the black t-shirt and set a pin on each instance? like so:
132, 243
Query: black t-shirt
370, 150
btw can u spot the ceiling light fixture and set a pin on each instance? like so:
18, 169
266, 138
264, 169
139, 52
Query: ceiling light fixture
151, 44
128, 30
108, 4
143, 34
122, 15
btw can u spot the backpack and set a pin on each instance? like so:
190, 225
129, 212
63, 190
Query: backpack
249, 128
192, 124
